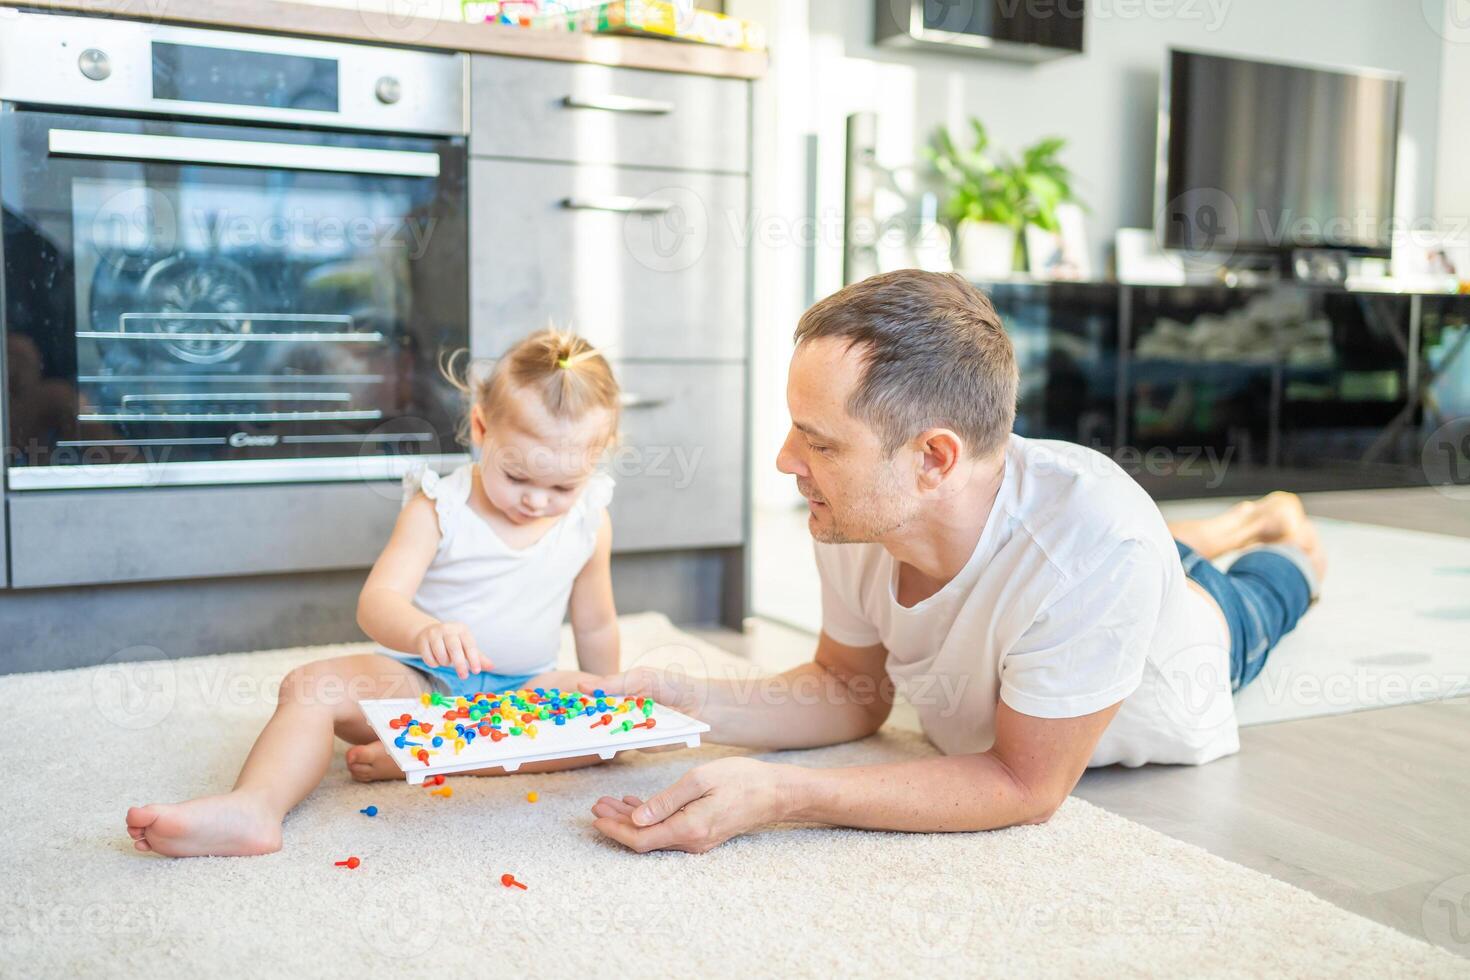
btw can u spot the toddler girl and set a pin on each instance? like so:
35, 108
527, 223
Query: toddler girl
469, 595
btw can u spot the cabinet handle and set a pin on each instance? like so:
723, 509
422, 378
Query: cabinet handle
632, 401
618, 103
619, 204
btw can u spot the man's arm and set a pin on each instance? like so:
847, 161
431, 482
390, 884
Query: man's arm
843, 694
1023, 778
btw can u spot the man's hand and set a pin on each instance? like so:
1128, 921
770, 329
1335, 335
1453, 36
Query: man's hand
706, 807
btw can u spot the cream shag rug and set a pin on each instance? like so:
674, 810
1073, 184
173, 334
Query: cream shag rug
1086, 894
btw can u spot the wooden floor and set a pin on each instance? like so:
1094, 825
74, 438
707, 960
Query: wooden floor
1366, 810
1370, 811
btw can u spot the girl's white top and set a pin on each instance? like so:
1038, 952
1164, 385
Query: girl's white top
513, 600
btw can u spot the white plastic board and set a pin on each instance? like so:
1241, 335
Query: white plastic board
576, 738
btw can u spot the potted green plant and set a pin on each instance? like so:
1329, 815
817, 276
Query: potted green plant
993, 197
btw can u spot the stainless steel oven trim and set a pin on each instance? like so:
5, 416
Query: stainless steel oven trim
39, 65
242, 153
366, 415
258, 338
238, 396
240, 471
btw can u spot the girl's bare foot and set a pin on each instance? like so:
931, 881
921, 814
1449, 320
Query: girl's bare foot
233, 824
371, 762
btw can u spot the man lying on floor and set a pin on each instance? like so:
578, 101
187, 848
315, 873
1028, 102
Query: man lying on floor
1026, 595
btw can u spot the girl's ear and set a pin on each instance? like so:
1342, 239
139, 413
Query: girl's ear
478, 425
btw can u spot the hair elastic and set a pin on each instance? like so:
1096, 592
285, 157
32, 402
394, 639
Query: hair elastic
567, 363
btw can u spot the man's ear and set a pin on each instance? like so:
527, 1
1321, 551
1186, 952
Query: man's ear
939, 453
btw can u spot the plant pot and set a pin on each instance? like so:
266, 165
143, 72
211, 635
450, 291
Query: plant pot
987, 249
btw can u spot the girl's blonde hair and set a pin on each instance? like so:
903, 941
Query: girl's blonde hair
566, 374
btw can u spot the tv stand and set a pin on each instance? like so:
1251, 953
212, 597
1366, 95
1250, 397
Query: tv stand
1200, 390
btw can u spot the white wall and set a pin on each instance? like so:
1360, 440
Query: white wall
824, 67
1452, 175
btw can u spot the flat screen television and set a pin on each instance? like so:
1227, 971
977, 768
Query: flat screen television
1258, 157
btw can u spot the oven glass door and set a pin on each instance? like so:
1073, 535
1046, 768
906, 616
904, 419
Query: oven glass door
191, 302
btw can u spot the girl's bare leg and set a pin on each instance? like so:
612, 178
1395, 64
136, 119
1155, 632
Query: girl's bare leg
289, 758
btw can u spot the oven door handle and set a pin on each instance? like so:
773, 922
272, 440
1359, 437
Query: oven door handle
243, 153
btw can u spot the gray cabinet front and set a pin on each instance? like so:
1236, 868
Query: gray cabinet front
82, 537
554, 110
680, 464
650, 264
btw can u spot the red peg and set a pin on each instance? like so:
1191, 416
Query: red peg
647, 723
604, 720
351, 862
423, 756
508, 880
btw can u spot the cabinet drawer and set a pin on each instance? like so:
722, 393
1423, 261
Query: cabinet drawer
665, 277
549, 110
89, 537
680, 467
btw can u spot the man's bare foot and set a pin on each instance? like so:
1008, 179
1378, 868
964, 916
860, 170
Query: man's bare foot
371, 762
232, 824
1278, 516
1283, 520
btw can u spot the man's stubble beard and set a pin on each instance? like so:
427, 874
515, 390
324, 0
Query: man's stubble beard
867, 523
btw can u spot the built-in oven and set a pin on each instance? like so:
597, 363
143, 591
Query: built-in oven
227, 258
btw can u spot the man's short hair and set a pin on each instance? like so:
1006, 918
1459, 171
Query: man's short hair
934, 354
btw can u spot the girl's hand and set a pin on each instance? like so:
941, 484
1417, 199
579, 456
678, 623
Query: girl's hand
451, 645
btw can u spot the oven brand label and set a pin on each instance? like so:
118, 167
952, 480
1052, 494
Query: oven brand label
242, 440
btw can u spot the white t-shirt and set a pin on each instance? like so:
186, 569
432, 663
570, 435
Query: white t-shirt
1074, 599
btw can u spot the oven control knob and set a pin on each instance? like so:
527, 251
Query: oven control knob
95, 64
388, 90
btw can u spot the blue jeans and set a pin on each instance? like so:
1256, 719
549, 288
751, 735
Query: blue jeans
1262, 595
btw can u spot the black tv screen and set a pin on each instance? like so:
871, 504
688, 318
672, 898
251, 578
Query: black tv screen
1263, 157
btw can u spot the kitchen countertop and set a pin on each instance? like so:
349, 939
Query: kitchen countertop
343, 23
